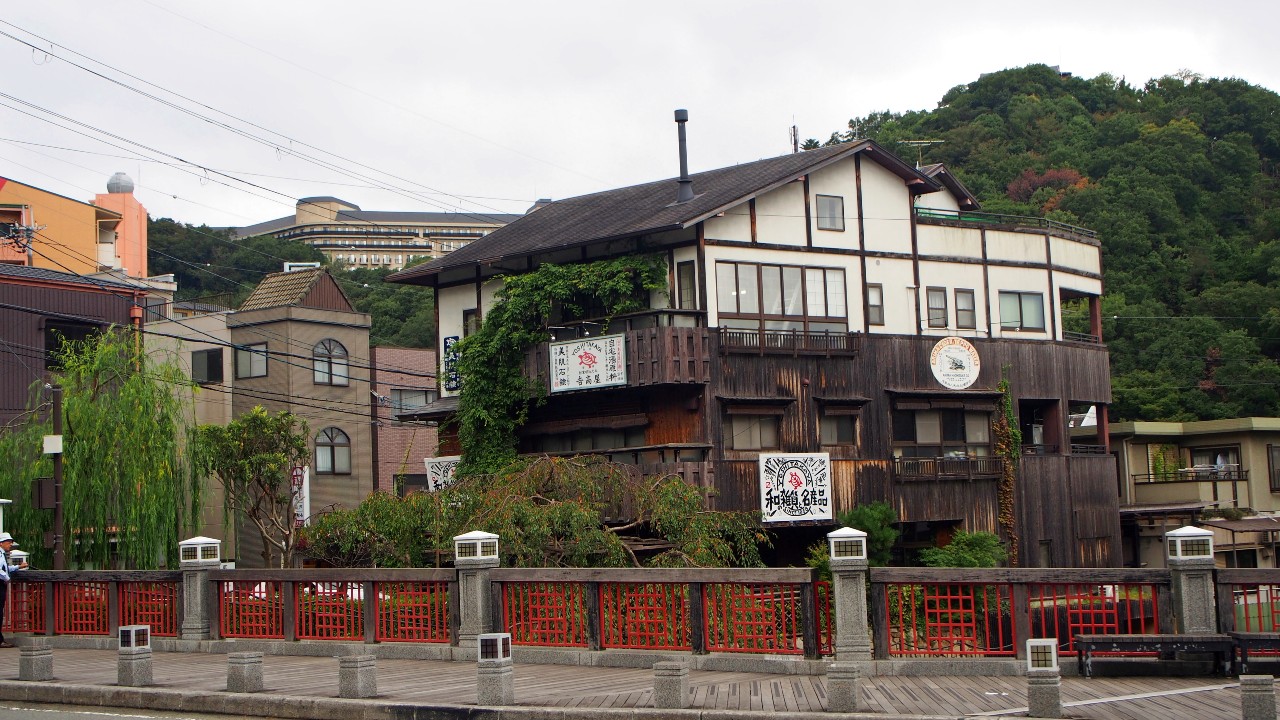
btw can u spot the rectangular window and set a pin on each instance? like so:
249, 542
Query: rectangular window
686, 286
751, 432
830, 212
875, 305
966, 310
937, 299
1021, 311
839, 429
470, 321
251, 361
941, 432
206, 366
56, 334
1273, 458
407, 399
781, 297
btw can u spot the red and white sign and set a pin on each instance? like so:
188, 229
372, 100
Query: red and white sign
588, 363
795, 486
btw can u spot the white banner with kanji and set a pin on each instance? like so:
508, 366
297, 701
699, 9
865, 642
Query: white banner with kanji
440, 471
795, 486
300, 477
588, 363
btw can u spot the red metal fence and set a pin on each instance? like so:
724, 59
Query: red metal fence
412, 612
80, 608
645, 616
545, 613
950, 619
1064, 610
150, 603
250, 609
329, 611
25, 609
757, 618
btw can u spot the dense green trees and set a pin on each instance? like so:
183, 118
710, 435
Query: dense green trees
1181, 179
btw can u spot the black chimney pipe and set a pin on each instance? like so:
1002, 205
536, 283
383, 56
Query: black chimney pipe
685, 191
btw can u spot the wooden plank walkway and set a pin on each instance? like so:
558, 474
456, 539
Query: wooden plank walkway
454, 683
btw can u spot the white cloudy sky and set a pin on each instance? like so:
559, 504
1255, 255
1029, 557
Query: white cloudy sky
485, 106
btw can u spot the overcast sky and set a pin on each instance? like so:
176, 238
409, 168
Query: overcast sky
486, 106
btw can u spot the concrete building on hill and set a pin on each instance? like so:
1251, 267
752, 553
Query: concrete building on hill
373, 238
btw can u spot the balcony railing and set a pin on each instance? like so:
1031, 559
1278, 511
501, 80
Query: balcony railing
656, 354
1078, 449
1193, 474
966, 216
1081, 337
788, 342
945, 468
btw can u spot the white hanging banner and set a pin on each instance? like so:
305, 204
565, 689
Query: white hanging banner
795, 486
300, 477
440, 471
588, 363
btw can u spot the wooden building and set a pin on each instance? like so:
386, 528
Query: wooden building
834, 331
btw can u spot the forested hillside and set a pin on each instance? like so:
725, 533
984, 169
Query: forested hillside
212, 266
1180, 179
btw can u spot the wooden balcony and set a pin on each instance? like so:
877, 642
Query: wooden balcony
661, 355
788, 342
947, 468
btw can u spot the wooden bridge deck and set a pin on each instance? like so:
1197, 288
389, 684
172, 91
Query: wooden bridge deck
454, 683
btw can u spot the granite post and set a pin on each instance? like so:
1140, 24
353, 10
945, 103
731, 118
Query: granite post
495, 682
844, 687
1044, 693
35, 660
1195, 609
671, 685
133, 668
244, 672
1257, 697
849, 574
357, 676
474, 557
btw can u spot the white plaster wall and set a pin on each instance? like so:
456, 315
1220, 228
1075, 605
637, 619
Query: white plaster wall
451, 301
487, 291
1015, 247
780, 216
1088, 286
953, 276
941, 200
896, 275
1076, 255
839, 179
887, 206
949, 241
734, 225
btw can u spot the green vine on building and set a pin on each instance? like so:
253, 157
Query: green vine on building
496, 396
1008, 447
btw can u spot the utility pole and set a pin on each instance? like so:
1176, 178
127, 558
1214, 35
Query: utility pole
59, 536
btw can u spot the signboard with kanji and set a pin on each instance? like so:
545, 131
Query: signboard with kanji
449, 365
440, 471
588, 363
300, 477
795, 486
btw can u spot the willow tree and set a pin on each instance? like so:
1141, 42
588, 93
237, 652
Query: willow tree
129, 491
252, 457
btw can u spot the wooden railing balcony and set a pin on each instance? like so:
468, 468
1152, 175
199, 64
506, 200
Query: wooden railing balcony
654, 356
947, 468
788, 342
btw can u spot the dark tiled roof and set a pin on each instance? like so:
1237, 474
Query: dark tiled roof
647, 208
940, 173
281, 289
34, 273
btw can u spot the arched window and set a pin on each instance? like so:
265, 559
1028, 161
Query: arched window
333, 452
329, 363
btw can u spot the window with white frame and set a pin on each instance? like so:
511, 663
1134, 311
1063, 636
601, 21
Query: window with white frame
251, 361
329, 363
875, 304
333, 452
406, 399
830, 212
937, 300
1021, 311
781, 297
966, 310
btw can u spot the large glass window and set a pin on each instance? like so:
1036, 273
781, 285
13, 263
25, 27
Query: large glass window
943, 432
406, 399
830, 212
251, 361
781, 297
333, 452
875, 304
751, 432
937, 299
966, 310
329, 363
1021, 311
206, 366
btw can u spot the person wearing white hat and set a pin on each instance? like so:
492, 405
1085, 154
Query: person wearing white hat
6, 544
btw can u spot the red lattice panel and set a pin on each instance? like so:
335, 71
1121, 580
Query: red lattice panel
1063, 611
755, 618
150, 603
549, 614
413, 611
25, 607
250, 610
951, 619
1257, 607
646, 616
80, 608
822, 599
329, 610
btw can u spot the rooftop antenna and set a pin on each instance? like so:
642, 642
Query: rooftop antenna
920, 145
